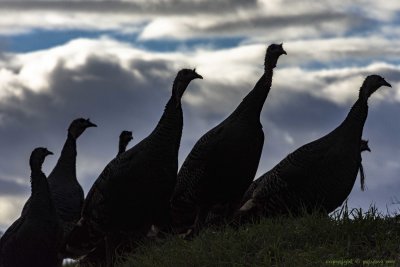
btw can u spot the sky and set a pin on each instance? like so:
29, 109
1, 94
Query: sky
115, 61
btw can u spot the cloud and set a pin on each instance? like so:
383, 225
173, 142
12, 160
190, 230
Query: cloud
255, 24
10, 209
136, 7
179, 19
343, 51
11, 187
339, 85
124, 16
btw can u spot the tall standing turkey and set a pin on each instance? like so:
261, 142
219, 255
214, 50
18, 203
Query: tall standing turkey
66, 191
97, 257
224, 161
319, 175
133, 191
34, 238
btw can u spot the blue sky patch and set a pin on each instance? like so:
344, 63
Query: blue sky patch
44, 39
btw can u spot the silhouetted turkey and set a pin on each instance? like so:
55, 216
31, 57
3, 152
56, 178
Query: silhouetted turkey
224, 161
319, 175
67, 193
124, 138
249, 193
134, 189
364, 147
98, 256
34, 238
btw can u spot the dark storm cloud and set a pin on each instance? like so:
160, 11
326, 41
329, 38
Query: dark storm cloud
278, 22
299, 112
291, 120
171, 7
12, 188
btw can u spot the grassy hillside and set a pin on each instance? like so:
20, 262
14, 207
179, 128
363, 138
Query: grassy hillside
347, 238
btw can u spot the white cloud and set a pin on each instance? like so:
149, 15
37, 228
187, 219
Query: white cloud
377, 10
340, 85
193, 19
347, 49
10, 209
165, 28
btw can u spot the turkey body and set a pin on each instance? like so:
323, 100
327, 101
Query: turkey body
31, 242
223, 162
255, 184
128, 200
208, 173
133, 191
300, 186
319, 175
98, 257
35, 238
67, 193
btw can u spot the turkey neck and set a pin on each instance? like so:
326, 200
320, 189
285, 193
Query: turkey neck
169, 129
121, 148
65, 168
252, 104
40, 202
354, 123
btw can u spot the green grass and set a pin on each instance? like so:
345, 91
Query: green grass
346, 238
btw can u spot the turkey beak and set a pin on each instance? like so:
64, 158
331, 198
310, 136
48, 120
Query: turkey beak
90, 124
197, 76
49, 153
385, 83
368, 149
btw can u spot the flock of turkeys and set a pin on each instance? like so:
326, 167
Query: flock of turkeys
140, 193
